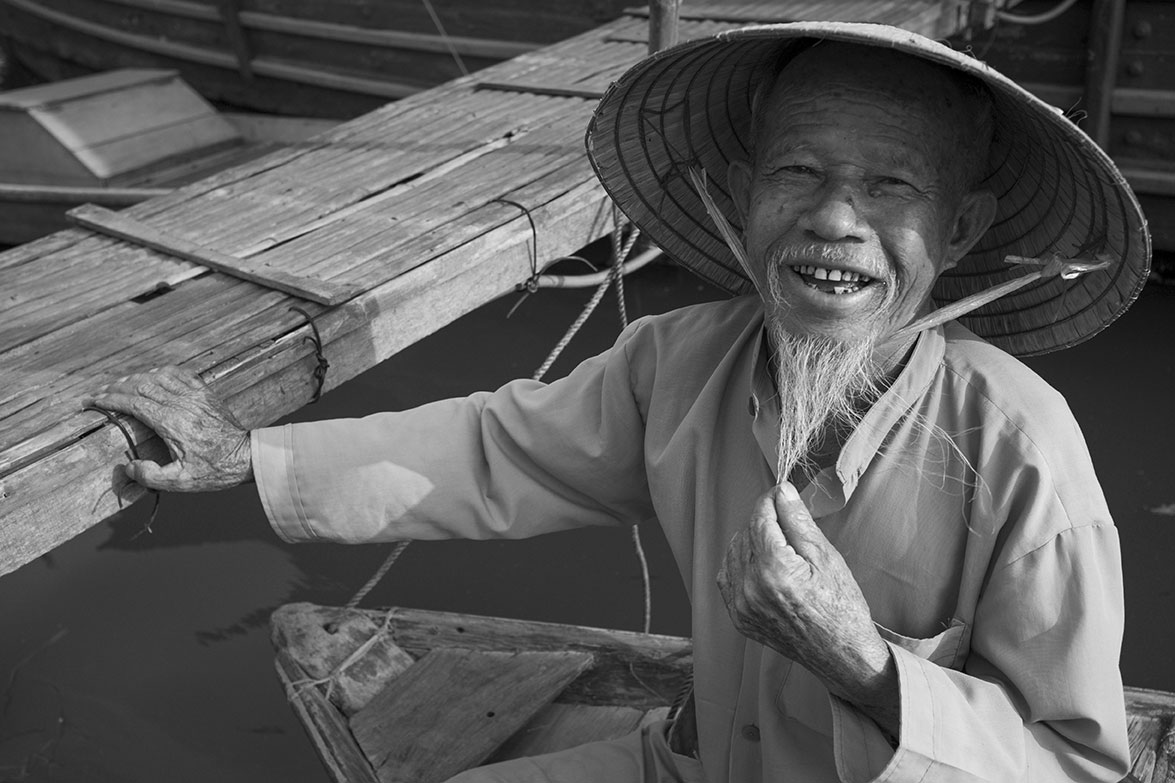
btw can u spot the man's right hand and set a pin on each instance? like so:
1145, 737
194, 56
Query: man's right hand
209, 447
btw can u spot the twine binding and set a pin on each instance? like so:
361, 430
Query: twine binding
133, 453
316, 340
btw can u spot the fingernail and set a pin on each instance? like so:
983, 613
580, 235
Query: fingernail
788, 492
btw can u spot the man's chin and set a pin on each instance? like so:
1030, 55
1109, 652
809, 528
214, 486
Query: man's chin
838, 332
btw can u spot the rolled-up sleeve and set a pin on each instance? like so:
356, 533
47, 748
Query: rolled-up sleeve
529, 458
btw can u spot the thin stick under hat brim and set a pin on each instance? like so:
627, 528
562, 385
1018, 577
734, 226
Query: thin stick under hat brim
1059, 194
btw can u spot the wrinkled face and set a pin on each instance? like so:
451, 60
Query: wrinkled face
856, 199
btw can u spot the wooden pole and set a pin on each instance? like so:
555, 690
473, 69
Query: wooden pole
1105, 47
663, 24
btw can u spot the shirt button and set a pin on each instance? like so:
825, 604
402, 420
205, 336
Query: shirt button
751, 732
752, 406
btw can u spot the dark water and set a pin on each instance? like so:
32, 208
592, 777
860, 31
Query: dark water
146, 658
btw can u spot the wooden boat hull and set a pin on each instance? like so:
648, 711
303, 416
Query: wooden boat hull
319, 58
631, 679
1108, 64
335, 662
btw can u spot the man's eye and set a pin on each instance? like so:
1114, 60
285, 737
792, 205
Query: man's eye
798, 170
894, 182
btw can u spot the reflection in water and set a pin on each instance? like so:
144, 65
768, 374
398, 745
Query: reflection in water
147, 658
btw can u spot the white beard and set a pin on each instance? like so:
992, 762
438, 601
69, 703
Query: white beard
825, 385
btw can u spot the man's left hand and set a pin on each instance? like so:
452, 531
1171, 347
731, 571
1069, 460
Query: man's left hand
788, 588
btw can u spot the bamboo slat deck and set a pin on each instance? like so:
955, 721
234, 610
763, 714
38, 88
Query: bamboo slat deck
417, 207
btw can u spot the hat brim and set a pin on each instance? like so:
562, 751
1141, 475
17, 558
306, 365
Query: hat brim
1058, 193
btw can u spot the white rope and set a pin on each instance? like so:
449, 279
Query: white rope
397, 550
1041, 18
615, 276
583, 316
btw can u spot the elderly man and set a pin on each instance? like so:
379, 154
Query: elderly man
900, 564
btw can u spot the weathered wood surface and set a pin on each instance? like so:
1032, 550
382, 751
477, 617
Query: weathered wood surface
353, 651
454, 707
410, 203
642, 671
318, 647
1151, 727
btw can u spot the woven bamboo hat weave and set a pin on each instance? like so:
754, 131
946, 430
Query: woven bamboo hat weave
1058, 194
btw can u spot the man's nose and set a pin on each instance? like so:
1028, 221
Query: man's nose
833, 215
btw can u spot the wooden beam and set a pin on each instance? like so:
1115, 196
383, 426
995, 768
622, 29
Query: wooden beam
113, 224
64, 194
663, 24
230, 13
1105, 47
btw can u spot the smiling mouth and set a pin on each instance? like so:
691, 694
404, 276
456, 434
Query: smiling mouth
831, 281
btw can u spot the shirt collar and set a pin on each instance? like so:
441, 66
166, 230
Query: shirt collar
831, 489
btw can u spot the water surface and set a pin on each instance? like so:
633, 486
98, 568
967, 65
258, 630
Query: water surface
130, 657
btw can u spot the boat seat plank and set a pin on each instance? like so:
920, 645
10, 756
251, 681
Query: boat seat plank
113, 224
561, 726
454, 708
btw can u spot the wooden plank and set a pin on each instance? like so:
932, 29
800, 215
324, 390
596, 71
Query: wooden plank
327, 729
82, 86
453, 708
65, 194
134, 153
639, 670
113, 224
90, 121
540, 89
561, 726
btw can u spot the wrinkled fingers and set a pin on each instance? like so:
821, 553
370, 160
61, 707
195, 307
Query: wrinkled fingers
145, 410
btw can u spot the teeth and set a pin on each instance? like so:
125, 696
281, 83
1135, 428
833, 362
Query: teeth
834, 275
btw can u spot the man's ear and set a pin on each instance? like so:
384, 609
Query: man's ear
738, 180
975, 215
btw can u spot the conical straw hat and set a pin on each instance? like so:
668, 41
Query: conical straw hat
1059, 194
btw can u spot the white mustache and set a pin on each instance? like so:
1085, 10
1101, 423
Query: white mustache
856, 258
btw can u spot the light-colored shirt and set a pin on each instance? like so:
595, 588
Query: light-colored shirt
989, 560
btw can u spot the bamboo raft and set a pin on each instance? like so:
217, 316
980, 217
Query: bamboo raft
394, 695
381, 230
